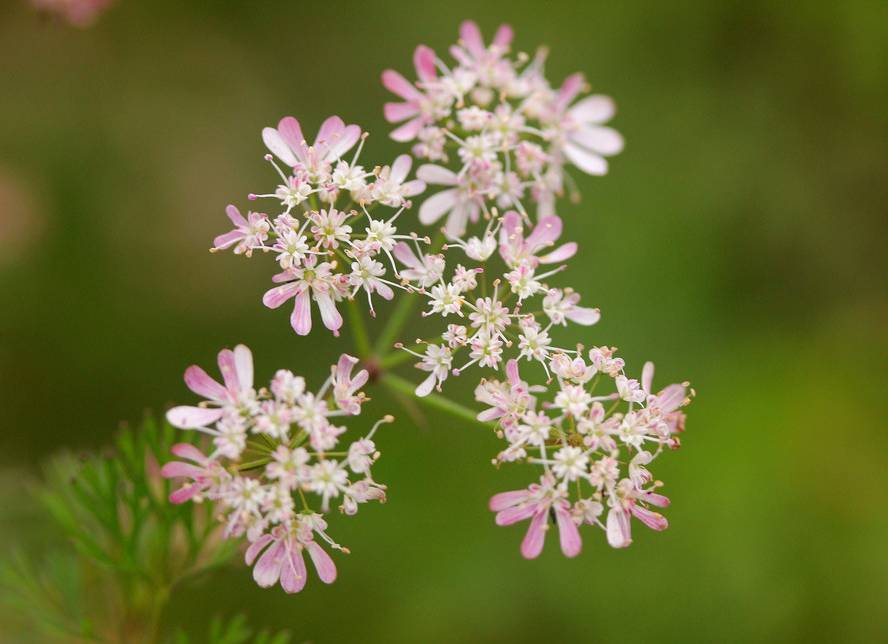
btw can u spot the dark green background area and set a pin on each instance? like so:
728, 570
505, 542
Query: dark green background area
738, 242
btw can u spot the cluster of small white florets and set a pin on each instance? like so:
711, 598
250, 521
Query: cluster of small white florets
505, 131
594, 441
330, 238
498, 306
272, 450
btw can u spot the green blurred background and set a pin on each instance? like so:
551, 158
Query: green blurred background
739, 242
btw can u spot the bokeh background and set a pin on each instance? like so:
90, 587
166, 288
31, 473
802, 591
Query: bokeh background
739, 242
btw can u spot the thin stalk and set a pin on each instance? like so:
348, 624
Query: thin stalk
359, 330
395, 324
433, 401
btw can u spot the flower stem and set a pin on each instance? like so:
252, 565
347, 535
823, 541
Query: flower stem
434, 401
396, 321
359, 330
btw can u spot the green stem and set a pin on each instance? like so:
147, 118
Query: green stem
396, 321
359, 330
434, 401
395, 358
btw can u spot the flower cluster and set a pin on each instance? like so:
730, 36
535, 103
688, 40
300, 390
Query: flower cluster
515, 309
503, 128
327, 244
594, 448
272, 450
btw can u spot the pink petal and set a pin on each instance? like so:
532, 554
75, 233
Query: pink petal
653, 520
545, 232
503, 36
267, 570
329, 314
656, 499
322, 562
397, 112
503, 500
343, 142
647, 376
533, 542
177, 469
560, 254
397, 84
470, 36
424, 388
515, 514
291, 133
586, 161
186, 450
256, 547
671, 397
436, 206
594, 109
512, 372
412, 188
436, 174
293, 572
243, 364
273, 298
331, 130
300, 319
278, 147
401, 168
344, 366
408, 131
184, 494
385, 292
404, 254
228, 367
603, 140
424, 62
198, 381
234, 215
490, 414
569, 535
619, 533
191, 417
571, 86
227, 239
583, 315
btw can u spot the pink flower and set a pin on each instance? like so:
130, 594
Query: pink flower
346, 389
507, 400
417, 107
207, 476
287, 143
515, 248
668, 401
536, 503
628, 501
282, 559
311, 280
562, 305
248, 233
426, 270
461, 202
391, 187
237, 371
485, 62
585, 141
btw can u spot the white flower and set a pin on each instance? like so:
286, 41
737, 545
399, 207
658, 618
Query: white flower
446, 299
570, 463
573, 399
629, 389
